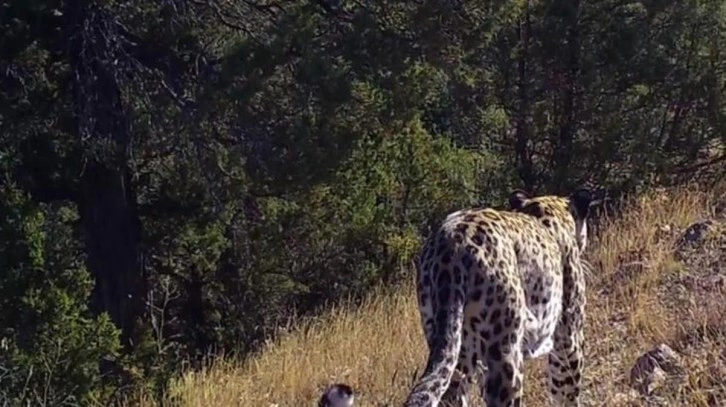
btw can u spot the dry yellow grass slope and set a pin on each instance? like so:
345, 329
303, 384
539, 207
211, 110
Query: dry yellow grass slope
639, 295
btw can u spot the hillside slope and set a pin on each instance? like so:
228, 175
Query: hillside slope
650, 285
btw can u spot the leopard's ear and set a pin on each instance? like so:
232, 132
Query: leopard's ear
517, 199
580, 201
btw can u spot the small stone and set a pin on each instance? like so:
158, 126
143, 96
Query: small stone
653, 368
696, 232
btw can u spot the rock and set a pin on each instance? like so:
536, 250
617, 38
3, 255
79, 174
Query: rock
654, 368
695, 233
703, 242
337, 395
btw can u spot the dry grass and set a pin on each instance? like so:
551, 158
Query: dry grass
636, 300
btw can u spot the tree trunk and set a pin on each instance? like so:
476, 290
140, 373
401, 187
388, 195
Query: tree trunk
112, 230
570, 71
522, 138
107, 201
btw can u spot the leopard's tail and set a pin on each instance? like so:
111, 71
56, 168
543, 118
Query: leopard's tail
448, 292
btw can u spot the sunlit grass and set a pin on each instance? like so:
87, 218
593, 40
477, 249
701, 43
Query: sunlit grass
378, 346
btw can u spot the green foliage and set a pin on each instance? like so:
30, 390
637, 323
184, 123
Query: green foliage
50, 346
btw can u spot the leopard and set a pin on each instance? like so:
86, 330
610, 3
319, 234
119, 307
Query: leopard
496, 287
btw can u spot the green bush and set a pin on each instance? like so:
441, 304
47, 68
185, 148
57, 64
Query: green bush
50, 345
